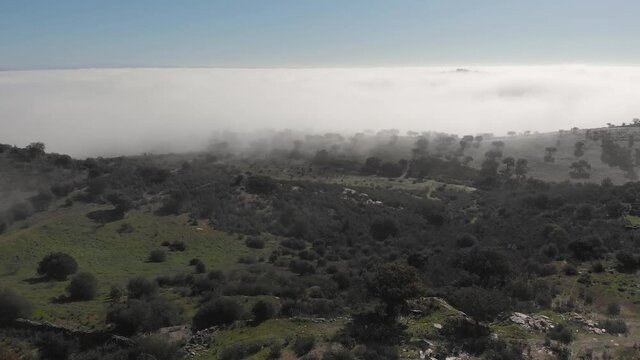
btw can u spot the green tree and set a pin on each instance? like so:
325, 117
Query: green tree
57, 266
394, 283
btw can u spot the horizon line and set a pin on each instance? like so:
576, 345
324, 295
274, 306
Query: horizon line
303, 67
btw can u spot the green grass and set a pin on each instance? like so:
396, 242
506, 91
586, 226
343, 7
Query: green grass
633, 221
112, 257
275, 330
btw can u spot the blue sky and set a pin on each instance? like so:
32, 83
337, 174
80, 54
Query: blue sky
322, 33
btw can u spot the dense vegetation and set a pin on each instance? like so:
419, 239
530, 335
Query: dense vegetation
368, 238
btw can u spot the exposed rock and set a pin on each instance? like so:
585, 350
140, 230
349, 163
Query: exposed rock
200, 341
532, 322
588, 324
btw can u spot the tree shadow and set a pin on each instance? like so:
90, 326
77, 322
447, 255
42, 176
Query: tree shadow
106, 216
37, 280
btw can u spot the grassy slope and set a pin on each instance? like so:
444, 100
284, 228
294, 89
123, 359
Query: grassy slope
112, 257
275, 330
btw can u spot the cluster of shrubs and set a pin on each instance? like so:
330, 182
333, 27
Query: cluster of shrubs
13, 306
143, 311
175, 245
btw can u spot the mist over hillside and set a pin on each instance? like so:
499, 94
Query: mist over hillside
108, 112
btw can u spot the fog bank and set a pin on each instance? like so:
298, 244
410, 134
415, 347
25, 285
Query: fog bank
129, 111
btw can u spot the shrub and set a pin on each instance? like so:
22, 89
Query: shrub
19, 211
41, 201
303, 344
561, 333
241, 351
302, 267
295, 244
275, 351
479, 303
597, 267
61, 189
7, 353
176, 280
247, 259
570, 270
175, 246
57, 266
260, 185
140, 287
83, 286
614, 326
382, 229
613, 309
52, 345
158, 347
200, 268
220, 311
337, 355
254, 243
263, 310
116, 293
157, 256
136, 316
626, 262
465, 241
13, 306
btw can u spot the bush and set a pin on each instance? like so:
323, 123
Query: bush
241, 351
479, 303
614, 326
302, 267
260, 185
254, 243
626, 262
382, 229
597, 267
200, 268
4, 224
275, 351
303, 345
41, 201
175, 246
466, 241
61, 189
158, 347
561, 333
221, 311
116, 293
82, 287
140, 287
57, 266
247, 259
337, 355
263, 310
52, 345
13, 306
19, 211
613, 309
570, 270
136, 316
157, 256
295, 244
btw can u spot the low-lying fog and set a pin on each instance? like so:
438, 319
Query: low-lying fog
129, 111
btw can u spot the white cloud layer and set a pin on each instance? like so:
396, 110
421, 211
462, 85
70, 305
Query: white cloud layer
129, 111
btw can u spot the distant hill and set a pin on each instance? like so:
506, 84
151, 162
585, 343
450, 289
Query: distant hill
532, 147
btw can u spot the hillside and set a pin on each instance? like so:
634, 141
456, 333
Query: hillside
332, 248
